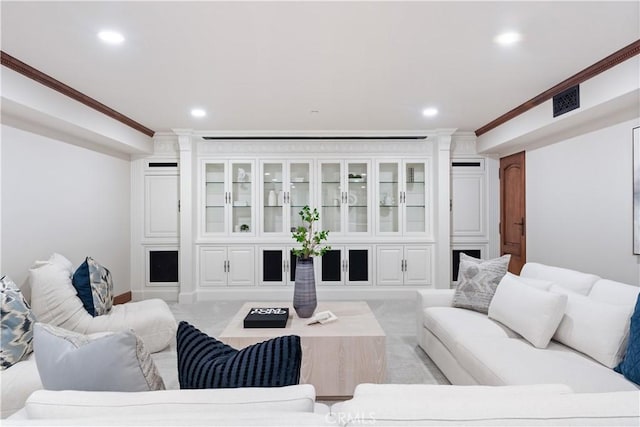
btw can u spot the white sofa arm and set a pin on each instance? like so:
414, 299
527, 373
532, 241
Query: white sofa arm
435, 298
432, 298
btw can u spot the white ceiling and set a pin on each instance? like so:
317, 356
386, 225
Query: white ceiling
364, 66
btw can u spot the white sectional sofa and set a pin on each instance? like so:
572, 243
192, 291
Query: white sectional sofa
470, 348
439, 405
279, 406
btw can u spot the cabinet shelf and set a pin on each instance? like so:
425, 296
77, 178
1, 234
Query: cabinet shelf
215, 182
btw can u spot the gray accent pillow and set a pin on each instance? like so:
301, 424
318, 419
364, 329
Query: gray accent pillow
17, 324
109, 361
478, 280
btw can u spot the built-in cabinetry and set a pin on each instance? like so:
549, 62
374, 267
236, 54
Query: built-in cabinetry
239, 201
285, 187
345, 201
228, 197
227, 266
346, 265
469, 213
402, 196
404, 265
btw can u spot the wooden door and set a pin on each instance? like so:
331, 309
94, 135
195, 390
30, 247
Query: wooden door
513, 233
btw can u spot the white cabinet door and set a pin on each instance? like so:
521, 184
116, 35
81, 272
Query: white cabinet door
417, 265
161, 206
403, 205
345, 197
467, 205
404, 265
240, 266
228, 198
389, 265
213, 266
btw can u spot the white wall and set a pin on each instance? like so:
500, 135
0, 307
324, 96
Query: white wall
58, 197
579, 204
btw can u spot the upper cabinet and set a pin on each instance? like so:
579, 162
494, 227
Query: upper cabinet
345, 196
402, 197
229, 197
285, 187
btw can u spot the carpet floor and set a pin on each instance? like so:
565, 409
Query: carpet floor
407, 363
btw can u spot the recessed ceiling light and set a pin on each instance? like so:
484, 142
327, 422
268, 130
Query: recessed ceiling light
111, 37
198, 112
507, 39
430, 112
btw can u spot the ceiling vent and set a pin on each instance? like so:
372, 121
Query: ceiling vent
313, 138
566, 101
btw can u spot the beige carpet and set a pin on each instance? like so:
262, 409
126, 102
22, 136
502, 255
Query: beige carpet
406, 362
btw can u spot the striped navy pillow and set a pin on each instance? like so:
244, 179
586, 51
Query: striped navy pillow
205, 362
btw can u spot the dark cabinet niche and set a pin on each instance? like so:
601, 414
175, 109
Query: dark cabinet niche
272, 266
163, 266
332, 266
358, 265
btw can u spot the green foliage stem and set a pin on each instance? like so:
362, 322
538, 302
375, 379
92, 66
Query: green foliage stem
310, 240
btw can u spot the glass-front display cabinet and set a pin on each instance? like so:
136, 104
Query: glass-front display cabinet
228, 201
285, 189
402, 195
344, 196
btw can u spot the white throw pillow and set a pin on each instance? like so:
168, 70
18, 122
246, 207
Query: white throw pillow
594, 328
106, 361
533, 313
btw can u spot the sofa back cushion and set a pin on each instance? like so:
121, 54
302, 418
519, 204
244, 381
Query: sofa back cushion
614, 293
87, 404
532, 312
594, 328
575, 281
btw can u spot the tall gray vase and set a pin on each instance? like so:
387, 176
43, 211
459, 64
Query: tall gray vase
304, 291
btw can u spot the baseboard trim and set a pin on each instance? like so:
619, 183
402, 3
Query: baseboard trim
122, 298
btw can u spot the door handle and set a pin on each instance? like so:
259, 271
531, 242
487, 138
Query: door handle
521, 224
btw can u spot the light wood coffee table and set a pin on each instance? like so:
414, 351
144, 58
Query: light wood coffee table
336, 356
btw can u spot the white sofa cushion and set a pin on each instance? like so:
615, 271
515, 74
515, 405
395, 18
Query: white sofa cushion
477, 407
18, 382
573, 280
595, 328
533, 313
494, 355
44, 404
54, 301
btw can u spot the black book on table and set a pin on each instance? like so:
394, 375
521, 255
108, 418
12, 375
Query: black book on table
267, 317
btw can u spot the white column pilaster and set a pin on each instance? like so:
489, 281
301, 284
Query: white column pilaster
187, 293
443, 215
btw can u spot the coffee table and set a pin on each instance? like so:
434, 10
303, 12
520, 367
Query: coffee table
336, 356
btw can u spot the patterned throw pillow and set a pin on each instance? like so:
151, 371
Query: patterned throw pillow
107, 361
478, 280
94, 286
630, 365
205, 362
17, 324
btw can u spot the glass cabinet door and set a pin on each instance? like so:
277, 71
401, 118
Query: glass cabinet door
241, 197
332, 197
273, 197
215, 198
415, 197
388, 195
299, 194
357, 198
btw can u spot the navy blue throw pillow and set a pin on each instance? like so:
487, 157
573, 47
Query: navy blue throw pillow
630, 365
205, 362
81, 280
